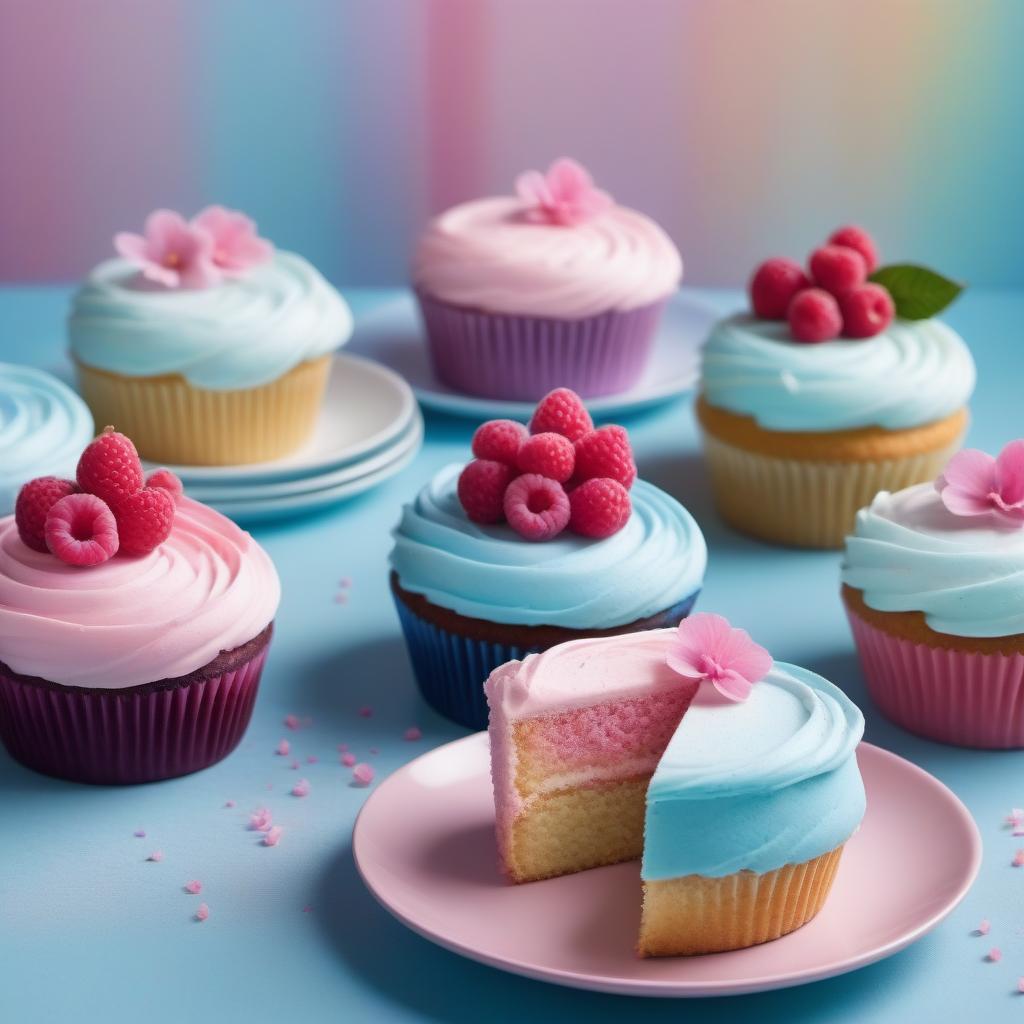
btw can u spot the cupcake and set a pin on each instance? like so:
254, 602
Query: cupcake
556, 286
542, 538
44, 426
933, 584
828, 393
733, 778
205, 344
134, 624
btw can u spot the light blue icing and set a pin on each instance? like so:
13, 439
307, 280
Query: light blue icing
241, 333
489, 572
909, 553
44, 426
759, 784
911, 374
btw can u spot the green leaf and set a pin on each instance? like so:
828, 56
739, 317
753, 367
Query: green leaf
917, 292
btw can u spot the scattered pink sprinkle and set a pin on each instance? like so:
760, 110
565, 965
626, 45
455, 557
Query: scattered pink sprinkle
345, 582
1020, 984
269, 785
363, 774
348, 760
1018, 859
283, 748
139, 833
307, 910
983, 928
301, 788
1015, 817
341, 598
294, 765
343, 746
292, 721
413, 733
272, 836
374, 750
156, 856
202, 912
229, 803
312, 759
995, 954
366, 712
261, 820
194, 888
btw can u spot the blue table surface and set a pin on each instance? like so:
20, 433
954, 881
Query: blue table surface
89, 930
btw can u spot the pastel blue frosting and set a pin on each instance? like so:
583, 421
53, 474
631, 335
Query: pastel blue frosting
44, 426
756, 785
913, 373
909, 553
489, 572
241, 333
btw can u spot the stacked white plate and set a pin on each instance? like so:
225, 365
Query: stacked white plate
370, 428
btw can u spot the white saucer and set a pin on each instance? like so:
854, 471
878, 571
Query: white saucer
393, 335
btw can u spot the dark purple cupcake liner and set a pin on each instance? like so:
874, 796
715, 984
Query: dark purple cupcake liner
451, 669
138, 734
522, 358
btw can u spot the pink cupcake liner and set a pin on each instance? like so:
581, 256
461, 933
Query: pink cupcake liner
140, 734
522, 358
965, 698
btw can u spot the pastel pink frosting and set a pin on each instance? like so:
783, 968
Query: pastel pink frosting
490, 254
208, 588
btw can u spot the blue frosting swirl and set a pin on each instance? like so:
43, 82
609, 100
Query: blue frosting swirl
911, 374
759, 784
242, 333
44, 426
489, 572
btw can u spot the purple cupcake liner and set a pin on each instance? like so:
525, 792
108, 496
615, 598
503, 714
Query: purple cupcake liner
451, 669
139, 734
522, 358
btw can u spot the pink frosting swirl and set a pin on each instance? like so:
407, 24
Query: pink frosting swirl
490, 255
208, 588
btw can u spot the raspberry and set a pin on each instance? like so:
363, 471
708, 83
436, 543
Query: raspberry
773, 285
167, 481
606, 452
561, 412
549, 454
80, 530
499, 440
481, 489
536, 508
838, 269
35, 500
867, 311
814, 316
110, 467
144, 520
600, 507
859, 240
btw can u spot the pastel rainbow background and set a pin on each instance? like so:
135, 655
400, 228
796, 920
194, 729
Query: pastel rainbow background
746, 127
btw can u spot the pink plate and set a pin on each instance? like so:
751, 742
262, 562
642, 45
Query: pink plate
424, 846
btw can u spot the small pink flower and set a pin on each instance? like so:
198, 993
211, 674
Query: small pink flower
707, 647
564, 196
236, 245
172, 252
974, 483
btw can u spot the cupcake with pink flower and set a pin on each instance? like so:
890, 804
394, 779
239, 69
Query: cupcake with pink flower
933, 583
204, 343
134, 624
545, 535
555, 286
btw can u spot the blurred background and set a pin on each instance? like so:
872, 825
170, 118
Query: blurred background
341, 125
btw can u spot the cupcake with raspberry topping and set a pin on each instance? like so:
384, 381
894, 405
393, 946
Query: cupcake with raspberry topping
554, 286
545, 536
134, 624
839, 383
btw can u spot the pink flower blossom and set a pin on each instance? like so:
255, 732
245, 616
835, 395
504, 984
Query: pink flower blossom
236, 245
565, 195
974, 483
172, 252
707, 647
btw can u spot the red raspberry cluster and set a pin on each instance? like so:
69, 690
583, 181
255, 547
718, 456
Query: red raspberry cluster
559, 473
835, 298
109, 508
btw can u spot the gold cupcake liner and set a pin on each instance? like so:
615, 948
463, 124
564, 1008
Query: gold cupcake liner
695, 914
807, 502
171, 421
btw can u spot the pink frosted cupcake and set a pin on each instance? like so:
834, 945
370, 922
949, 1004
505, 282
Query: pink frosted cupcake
933, 583
557, 286
134, 624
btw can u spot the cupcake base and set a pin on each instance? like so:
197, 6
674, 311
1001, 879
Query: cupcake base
695, 914
142, 733
522, 358
171, 421
452, 655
